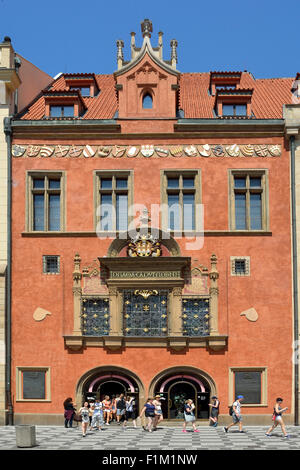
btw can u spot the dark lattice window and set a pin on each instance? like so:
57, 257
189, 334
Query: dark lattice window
145, 315
240, 266
95, 317
51, 264
195, 317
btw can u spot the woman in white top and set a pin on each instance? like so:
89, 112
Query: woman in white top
158, 411
85, 412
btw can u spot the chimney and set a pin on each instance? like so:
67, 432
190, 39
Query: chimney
120, 57
174, 45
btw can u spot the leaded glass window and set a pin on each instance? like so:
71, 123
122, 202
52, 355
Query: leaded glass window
195, 317
46, 193
249, 200
145, 313
95, 317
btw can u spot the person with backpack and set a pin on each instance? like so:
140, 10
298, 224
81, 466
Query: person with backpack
235, 412
189, 416
130, 412
277, 418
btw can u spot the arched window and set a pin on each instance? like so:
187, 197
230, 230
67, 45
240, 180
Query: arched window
147, 101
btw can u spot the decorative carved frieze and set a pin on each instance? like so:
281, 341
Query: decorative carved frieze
147, 151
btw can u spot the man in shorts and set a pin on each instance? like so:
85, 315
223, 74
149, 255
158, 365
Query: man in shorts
236, 415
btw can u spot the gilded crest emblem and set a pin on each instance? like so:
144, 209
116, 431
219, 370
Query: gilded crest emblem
261, 150
247, 150
132, 151
147, 150
176, 151
204, 150
33, 150
75, 151
18, 150
104, 151
89, 151
46, 151
275, 150
61, 150
144, 245
161, 151
191, 151
118, 151
233, 150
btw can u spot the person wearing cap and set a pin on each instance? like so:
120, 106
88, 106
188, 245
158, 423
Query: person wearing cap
236, 415
158, 416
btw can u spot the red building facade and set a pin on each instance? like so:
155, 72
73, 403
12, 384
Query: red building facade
151, 240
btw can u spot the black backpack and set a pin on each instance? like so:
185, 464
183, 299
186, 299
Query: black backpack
231, 410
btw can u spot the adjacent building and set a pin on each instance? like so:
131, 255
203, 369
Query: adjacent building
292, 126
20, 82
151, 240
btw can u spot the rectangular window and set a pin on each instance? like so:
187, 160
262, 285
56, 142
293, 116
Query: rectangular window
181, 192
248, 200
113, 199
84, 90
51, 264
62, 111
195, 317
234, 110
33, 384
248, 384
95, 317
145, 315
251, 383
45, 202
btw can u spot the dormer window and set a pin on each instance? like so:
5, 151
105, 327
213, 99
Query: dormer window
84, 90
64, 104
62, 111
233, 103
234, 109
147, 101
224, 80
85, 83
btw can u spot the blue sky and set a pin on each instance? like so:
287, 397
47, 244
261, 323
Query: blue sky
80, 36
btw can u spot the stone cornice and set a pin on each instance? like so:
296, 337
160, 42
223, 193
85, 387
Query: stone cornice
10, 77
230, 127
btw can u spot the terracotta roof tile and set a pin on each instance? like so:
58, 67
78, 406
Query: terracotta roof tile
268, 98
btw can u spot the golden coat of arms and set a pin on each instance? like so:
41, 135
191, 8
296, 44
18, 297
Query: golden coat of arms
144, 245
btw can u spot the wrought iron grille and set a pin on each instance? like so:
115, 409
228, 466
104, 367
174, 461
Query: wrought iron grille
145, 313
195, 317
95, 317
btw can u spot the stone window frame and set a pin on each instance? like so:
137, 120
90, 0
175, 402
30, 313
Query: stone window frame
264, 385
251, 172
45, 264
130, 192
30, 175
196, 172
233, 259
19, 383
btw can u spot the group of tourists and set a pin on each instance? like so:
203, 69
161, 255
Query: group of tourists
95, 414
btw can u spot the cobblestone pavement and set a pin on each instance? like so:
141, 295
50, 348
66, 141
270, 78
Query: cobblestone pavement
165, 438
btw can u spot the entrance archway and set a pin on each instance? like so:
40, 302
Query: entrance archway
109, 380
178, 384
